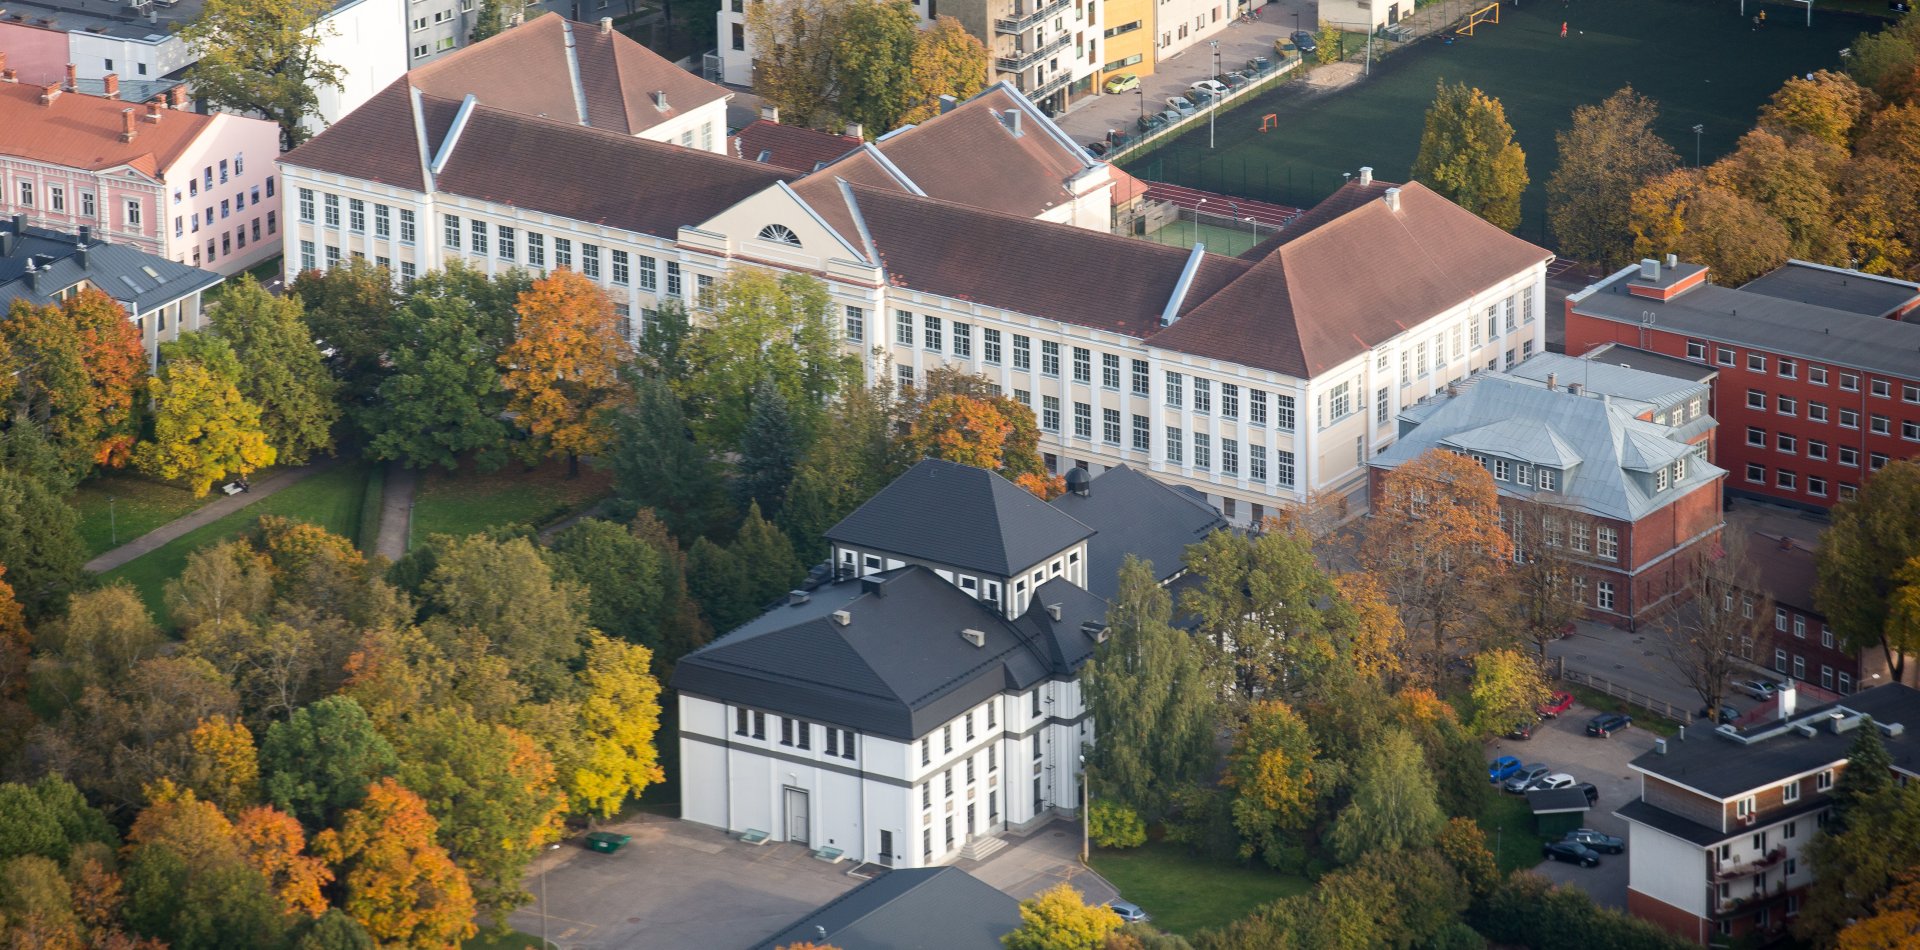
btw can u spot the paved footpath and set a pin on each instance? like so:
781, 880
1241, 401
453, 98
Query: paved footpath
396, 511
207, 514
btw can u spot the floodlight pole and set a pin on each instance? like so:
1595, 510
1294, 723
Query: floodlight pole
1213, 105
1697, 130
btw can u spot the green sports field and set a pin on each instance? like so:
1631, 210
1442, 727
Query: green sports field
1698, 58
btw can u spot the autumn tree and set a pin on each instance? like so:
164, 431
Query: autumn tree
1877, 207
1436, 546
563, 371
318, 763
1684, 212
1059, 918
1272, 771
1873, 537
1894, 922
76, 368
1393, 804
619, 719
505, 595
252, 57
188, 882
1825, 106
1606, 153
40, 543
1543, 583
116, 364
1794, 180
223, 767
1507, 688
1368, 636
1153, 696
798, 42
224, 587
1468, 155
782, 329
1258, 601
281, 371
947, 61
16, 647
275, 845
1722, 609
203, 428
396, 881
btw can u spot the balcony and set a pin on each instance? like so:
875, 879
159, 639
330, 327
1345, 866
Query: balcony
1021, 23
1750, 868
1745, 903
1048, 88
1020, 61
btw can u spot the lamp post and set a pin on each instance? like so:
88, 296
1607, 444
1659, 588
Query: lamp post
1213, 104
1697, 130
113, 523
1086, 812
543, 899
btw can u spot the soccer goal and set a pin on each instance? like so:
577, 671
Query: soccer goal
1487, 14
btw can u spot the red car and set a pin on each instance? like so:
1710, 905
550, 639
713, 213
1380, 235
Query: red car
1555, 705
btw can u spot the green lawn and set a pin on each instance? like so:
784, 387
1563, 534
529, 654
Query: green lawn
1643, 718
1508, 822
330, 499
1219, 240
117, 507
1186, 894
1701, 61
468, 501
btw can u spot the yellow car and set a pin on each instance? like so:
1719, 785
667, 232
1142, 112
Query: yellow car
1125, 82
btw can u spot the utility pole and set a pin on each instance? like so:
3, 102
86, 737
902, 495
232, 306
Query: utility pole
1213, 104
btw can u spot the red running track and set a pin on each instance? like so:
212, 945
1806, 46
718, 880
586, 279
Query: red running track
1193, 199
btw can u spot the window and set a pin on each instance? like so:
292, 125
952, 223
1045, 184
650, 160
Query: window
1110, 426
1230, 457
1257, 407
1756, 363
536, 249
1202, 450
1660, 480
1082, 365
1202, 395
622, 268
962, 339
1082, 420
1880, 425
1140, 379
1756, 400
1786, 442
1176, 389
1547, 478
674, 288
1283, 412
1785, 367
1849, 419
1340, 401
477, 236
1049, 358
1603, 595
306, 255
1849, 456
1283, 468
1502, 470
1176, 445
903, 376
306, 211
330, 210
1816, 411
1381, 405
990, 346
1881, 388
406, 226
930, 336
86, 204
740, 721
649, 274
1142, 433
1876, 461
1816, 449
1846, 686
856, 324
1780, 619
1110, 370
1849, 382
590, 261
1697, 350
26, 193
946, 741
1816, 375
57, 200
1406, 368
1022, 352
382, 221
1050, 413
406, 283
1910, 430
507, 244
1799, 668
133, 214
1785, 479
1785, 405
356, 214
1609, 543
786, 731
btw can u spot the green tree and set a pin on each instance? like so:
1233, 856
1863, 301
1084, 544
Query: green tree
1154, 698
1271, 770
39, 543
768, 450
661, 351
1883, 58
1607, 153
350, 308
784, 329
204, 429
1507, 689
441, 399
506, 594
317, 763
189, 884
1393, 804
658, 465
857, 451
1060, 919
1857, 865
718, 584
49, 818
494, 18
1258, 601
281, 371
1113, 825
1467, 154
681, 629
264, 57
875, 61
766, 559
626, 579
799, 44
333, 930
1868, 775
1872, 538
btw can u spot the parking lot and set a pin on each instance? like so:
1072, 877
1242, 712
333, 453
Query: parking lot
1564, 745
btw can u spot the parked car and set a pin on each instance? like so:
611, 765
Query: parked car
1728, 714
1125, 82
1555, 781
1555, 705
1522, 780
1211, 87
1522, 730
1258, 65
1609, 844
1303, 41
1152, 123
1502, 768
1236, 79
1128, 911
1607, 724
1097, 149
1201, 97
1571, 852
1758, 689
1181, 105
1593, 794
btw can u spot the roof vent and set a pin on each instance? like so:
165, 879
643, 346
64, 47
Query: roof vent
770, 113
1649, 269
843, 618
1012, 121
1392, 198
1053, 610
1095, 631
948, 104
976, 637
797, 597
606, 24
1673, 261
1574, 388
660, 99
1366, 174
1893, 730
1660, 746
1079, 482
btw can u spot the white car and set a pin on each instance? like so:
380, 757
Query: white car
1180, 104
1211, 87
1551, 782
1758, 689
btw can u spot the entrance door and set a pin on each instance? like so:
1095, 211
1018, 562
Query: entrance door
796, 816
1393, 14
886, 848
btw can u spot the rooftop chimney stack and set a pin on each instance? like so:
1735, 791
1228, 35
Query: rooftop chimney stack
9, 74
3, 59
126, 125
1553, 381
1013, 122
1573, 388
112, 84
1673, 261
49, 92
1393, 200
176, 97
606, 25
1789, 699
80, 254
855, 130
73, 78
948, 104
1366, 174
153, 110
770, 113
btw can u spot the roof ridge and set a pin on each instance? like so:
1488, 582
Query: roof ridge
1084, 233
636, 142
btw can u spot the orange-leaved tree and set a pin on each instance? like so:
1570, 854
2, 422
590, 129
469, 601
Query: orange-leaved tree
74, 369
116, 362
273, 842
960, 419
399, 884
563, 369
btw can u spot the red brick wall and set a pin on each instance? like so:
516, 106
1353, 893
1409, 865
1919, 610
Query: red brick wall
1668, 917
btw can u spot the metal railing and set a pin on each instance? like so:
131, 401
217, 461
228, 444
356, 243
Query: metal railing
1020, 24
1048, 88
1021, 61
1659, 707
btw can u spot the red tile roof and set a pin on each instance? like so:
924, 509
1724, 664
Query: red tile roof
790, 147
969, 155
82, 131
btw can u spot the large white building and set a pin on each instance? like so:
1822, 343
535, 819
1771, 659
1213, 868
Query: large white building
927, 701
1256, 380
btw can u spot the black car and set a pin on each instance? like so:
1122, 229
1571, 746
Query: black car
1521, 730
1607, 724
1728, 714
1149, 123
1592, 793
1572, 852
1303, 41
1097, 149
1597, 841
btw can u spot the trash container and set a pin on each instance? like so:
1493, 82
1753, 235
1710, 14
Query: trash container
606, 842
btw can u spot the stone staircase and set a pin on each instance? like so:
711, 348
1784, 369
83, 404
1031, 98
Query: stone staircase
979, 849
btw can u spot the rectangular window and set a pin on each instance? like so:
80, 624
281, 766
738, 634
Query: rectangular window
1785, 479
674, 288
507, 244
1756, 363
1202, 395
306, 208
1256, 464
1229, 401
307, 262
1049, 358
1283, 468
406, 226
1176, 445
622, 268
1547, 478
1022, 352
1382, 404
903, 328
1817, 375
1785, 405
330, 210
1881, 388
477, 236
1756, 473
1257, 407
1142, 433
1697, 350
1082, 365
1849, 382
1880, 425
1609, 543
856, 324
1176, 389
806, 735
1050, 413
1502, 470
1140, 378
1230, 457
590, 261
963, 340
1817, 411
1756, 400
786, 731
536, 249
1283, 412
1202, 450
1849, 419
649, 274
1110, 370
356, 214
1603, 597
1082, 420
406, 283
930, 336
1110, 426
990, 346
1786, 442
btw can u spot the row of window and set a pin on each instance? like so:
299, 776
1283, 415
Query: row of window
1789, 480
1877, 423
1795, 665
1201, 457
1781, 616
1528, 475
1789, 368
236, 240
795, 733
307, 262
133, 210
991, 716
1414, 361
194, 186
228, 206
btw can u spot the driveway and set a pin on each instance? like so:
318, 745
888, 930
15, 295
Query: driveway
676, 885
1563, 744
1049, 856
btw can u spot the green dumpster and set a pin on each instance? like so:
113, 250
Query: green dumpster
606, 842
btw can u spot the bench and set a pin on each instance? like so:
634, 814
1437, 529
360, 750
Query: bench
829, 855
754, 836
232, 488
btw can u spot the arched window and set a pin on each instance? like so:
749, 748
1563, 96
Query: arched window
779, 234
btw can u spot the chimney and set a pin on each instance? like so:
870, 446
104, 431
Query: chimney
770, 113
112, 83
1660, 746
86, 234
1553, 381
153, 110
1573, 388
1789, 698
606, 25
1392, 199
126, 125
80, 254
73, 78
3, 59
49, 92
797, 597
1012, 121
854, 130
1673, 261
948, 104
6, 244
660, 99
1366, 174
9, 74
33, 276
176, 97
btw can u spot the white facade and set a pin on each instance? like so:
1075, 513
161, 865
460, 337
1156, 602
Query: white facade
1185, 23
150, 57
367, 40
1363, 16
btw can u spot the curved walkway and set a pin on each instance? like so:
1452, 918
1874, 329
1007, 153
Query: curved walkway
207, 514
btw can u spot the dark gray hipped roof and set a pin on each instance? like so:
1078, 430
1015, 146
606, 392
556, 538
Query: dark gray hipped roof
127, 274
910, 909
900, 666
963, 516
1134, 514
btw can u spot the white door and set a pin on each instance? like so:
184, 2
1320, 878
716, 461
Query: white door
796, 816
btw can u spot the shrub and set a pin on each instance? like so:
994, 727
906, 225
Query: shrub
1113, 825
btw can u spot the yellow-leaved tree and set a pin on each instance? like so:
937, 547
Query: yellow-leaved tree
563, 367
618, 720
203, 429
1061, 919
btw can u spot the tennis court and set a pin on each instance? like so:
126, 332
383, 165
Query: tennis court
1699, 58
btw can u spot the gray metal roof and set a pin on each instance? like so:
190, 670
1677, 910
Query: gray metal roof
1647, 361
900, 666
1745, 318
1656, 391
909, 909
1135, 514
1520, 420
1853, 291
961, 515
137, 279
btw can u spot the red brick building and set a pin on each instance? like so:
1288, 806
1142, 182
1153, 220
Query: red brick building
1798, 644
1818, 368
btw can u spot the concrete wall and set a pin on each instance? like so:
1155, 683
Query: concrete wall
237, 154
367, 40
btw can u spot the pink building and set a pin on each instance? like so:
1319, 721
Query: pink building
197, 189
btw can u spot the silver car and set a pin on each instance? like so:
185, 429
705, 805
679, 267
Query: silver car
1128, 911
1181, 105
